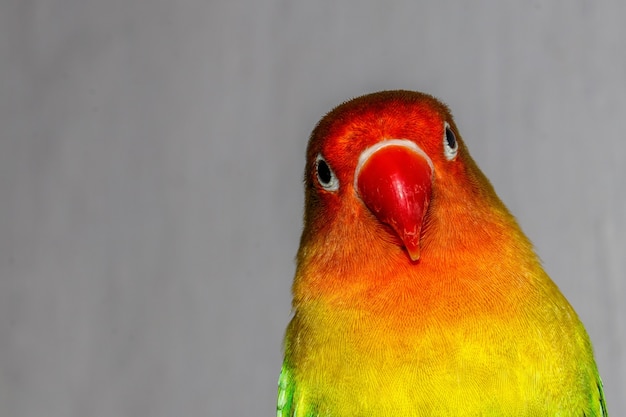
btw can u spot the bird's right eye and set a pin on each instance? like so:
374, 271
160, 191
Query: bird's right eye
450, 144
325, 176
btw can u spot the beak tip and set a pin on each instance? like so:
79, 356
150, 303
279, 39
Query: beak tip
414, 253
411, 242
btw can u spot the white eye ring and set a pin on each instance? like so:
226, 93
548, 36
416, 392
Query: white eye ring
450, 144
325, 175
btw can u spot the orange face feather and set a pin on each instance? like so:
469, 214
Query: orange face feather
464, 224
416, 292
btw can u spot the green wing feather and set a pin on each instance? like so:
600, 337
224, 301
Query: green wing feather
601, 411
291, 401
284, 405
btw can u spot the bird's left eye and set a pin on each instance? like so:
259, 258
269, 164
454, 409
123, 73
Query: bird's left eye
325, 176
450, 144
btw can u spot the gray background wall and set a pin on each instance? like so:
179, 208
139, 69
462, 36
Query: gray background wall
150, 177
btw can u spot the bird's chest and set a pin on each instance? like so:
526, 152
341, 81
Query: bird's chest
366, 364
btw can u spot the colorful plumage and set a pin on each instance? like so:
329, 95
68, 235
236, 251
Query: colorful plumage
416, 293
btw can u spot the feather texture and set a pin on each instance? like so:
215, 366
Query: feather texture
474, 327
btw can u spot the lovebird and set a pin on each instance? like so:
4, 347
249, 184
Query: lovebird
416, 293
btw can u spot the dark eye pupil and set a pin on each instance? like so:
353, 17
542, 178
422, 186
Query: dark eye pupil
323, 172
450, 138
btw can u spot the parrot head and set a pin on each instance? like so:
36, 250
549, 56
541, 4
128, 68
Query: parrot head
416, 292
389, 166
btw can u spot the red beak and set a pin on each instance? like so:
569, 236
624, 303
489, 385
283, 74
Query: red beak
394, 180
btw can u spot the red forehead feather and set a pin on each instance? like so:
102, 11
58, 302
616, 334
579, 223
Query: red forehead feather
388, 114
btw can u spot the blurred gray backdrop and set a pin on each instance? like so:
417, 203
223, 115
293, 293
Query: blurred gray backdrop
151, 155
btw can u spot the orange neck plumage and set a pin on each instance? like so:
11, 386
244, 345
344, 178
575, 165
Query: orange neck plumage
357, 263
